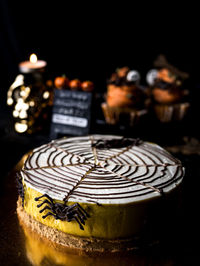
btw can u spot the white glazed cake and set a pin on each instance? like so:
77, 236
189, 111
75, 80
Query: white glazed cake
96, 192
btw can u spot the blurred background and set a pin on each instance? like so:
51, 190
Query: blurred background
89, 40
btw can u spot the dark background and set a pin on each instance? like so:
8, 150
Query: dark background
88, 41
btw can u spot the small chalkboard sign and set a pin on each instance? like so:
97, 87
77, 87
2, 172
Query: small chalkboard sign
71, 114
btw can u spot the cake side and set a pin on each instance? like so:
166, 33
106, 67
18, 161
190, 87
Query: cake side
67, 242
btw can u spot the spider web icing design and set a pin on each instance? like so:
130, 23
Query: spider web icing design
75, 170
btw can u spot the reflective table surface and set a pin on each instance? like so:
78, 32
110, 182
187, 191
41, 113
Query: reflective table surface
19, 247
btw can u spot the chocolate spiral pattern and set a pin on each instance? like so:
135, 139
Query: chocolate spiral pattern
73, 169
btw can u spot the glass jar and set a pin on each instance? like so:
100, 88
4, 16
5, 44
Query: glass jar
30, 98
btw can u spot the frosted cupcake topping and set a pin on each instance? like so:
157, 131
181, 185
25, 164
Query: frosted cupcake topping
101, 169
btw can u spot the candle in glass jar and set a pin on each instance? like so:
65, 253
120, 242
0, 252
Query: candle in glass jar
32, 65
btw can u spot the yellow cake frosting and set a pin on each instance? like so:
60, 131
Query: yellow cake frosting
108, 221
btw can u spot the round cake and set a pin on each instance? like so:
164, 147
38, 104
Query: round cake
98, 192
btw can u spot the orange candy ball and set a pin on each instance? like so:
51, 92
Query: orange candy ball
87, 86
61, 82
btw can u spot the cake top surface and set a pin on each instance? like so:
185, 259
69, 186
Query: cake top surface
101, 169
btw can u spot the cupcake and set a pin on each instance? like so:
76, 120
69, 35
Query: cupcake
125, 99
168, 93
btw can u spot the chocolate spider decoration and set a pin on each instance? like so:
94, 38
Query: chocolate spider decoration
20, 187
62, 211
116, 143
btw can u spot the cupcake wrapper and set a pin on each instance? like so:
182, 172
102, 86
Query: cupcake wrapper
115, 115
168, 113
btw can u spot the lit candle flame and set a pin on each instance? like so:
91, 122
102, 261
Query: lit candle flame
33, 58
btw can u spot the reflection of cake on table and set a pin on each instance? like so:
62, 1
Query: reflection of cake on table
125, 99
97, 192
40, 253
